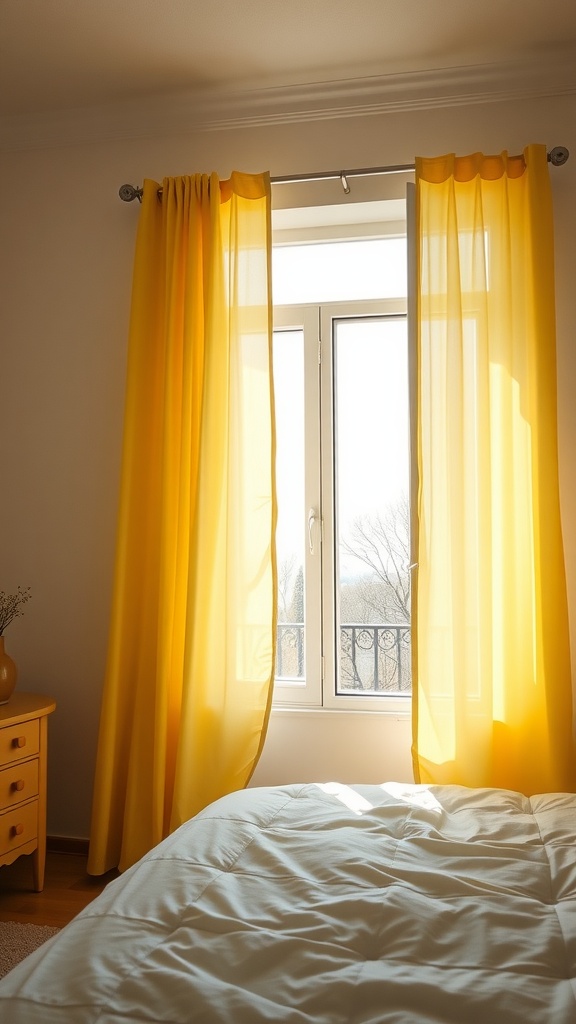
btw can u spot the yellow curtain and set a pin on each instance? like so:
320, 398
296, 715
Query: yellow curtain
492, 702
190, 661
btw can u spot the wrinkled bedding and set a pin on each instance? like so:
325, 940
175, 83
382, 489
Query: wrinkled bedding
328, 904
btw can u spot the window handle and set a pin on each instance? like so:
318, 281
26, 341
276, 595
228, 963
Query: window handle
313, 517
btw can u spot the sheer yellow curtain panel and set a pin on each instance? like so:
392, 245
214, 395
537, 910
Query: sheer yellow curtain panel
191, 650
493, 697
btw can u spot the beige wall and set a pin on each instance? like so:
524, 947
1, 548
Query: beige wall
65, 272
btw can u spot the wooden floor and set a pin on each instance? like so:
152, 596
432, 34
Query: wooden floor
67, 889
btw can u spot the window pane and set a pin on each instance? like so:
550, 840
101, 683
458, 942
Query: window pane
335, 271
372, 536
288, 355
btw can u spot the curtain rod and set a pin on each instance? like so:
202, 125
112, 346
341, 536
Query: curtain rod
557, 156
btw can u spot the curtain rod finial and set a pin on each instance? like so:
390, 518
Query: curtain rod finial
129, 192
558, 155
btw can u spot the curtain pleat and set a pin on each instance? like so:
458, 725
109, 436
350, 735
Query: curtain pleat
191, 651
493, 697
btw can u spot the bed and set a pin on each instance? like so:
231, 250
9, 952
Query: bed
328, 903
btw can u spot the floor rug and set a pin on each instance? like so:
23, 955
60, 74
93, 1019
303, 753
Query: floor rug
18, 940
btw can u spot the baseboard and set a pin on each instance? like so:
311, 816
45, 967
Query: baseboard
65, 844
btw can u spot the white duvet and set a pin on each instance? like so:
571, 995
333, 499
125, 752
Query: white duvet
328, 903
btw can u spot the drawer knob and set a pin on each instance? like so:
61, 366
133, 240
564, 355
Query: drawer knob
19, 741
17, 830
18, 785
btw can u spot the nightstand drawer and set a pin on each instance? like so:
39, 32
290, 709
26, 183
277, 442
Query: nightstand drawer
18, 783
18, 741
18, 826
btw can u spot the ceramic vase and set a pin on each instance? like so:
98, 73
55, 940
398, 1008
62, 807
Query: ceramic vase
8, 674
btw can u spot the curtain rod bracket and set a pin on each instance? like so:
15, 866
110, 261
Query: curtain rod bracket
344, 182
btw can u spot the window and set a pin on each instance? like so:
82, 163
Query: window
343, 468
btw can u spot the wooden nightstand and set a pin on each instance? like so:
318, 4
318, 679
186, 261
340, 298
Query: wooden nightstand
23, 744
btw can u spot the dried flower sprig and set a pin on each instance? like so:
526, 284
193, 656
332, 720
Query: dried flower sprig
10, 606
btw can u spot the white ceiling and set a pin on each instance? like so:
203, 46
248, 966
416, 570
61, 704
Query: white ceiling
66, 54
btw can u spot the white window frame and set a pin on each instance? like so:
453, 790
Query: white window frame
307, 693
319, 686
318, 689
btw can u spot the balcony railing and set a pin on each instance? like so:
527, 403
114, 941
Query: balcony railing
373, 658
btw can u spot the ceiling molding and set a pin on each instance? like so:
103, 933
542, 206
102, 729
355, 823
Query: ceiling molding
358, 97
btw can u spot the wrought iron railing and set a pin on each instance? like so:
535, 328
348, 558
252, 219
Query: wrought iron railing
374, 657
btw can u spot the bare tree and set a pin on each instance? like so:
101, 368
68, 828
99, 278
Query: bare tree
297, 602
382, 543
285, 587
